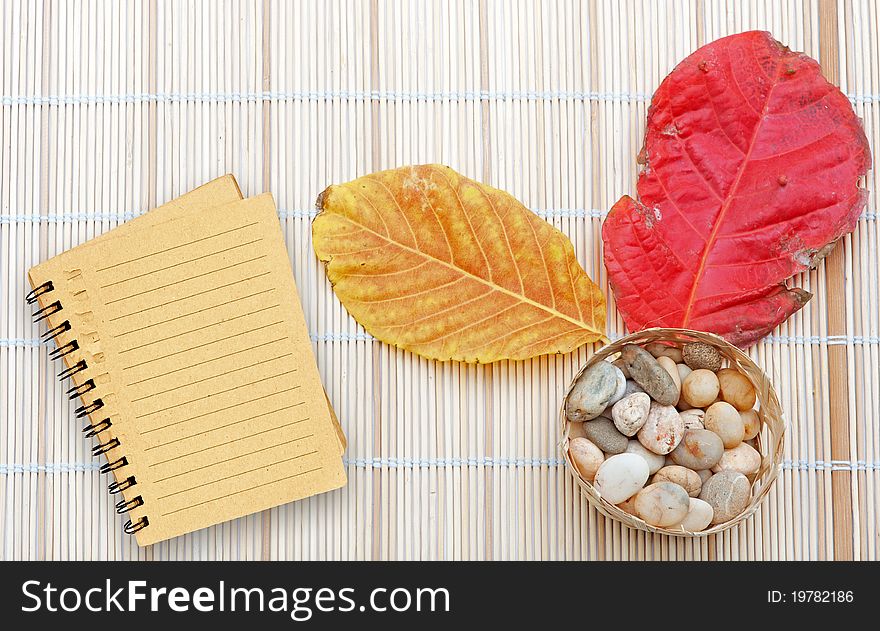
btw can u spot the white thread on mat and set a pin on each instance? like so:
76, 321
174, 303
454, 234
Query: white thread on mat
356, 95
829, 340
342, 337
317, 95
405, 463
577, 213
815, 340
548, 213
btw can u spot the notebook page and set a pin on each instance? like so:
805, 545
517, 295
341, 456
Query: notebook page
201, 333
219, 191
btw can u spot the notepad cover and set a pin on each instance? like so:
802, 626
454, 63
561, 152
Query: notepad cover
199, 349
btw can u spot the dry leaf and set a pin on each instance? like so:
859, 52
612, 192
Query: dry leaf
446, 267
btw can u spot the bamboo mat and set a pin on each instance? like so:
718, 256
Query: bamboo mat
111, 108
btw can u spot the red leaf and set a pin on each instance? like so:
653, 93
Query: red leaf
752, 161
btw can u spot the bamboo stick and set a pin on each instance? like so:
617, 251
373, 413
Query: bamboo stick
835, 278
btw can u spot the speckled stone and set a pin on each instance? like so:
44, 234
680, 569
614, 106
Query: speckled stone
727, 493
594, 390
649, 374
663, 429
701, 355
605, 435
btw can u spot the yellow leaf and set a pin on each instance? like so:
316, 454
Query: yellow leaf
449, 268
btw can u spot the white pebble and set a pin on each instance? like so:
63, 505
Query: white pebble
655, 461
699, 515
683, 371
630, 413
693, 418
620, 477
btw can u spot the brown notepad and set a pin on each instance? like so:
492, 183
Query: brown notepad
183, 335
222, 190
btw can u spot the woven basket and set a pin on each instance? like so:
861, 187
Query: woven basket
769, 440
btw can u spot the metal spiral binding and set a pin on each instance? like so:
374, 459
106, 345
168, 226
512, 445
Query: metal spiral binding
84, 410
103, 448
81, 389
125, 506
130, 528
93, 429
45, 312
39, 291
113, 466
61, 351
56, 330
72, 370
118, 487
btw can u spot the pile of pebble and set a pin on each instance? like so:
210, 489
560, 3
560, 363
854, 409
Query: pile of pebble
667, 434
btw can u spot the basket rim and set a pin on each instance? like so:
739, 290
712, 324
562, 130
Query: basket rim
771, 463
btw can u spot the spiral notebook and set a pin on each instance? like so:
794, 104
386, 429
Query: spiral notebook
184, 339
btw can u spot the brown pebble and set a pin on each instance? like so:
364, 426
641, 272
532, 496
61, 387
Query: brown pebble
736, 389
659, 349
701, 355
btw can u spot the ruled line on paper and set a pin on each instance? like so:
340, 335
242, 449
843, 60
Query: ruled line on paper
185, 315
184, 280
236, 422
223, 444
175, 247
200, 293
171, 372
222, 374
234, 405
201, 328
218, 392
191, 348
238, 474
250, 453
192, 260
275, 481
